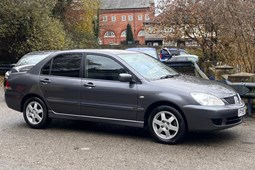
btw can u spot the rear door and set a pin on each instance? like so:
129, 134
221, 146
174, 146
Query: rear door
60, 83
103, 95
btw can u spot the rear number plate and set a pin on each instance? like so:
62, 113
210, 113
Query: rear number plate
241, 112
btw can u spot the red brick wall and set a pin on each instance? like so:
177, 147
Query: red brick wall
118, 26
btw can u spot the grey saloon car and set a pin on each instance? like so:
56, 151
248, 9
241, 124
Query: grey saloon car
122, 87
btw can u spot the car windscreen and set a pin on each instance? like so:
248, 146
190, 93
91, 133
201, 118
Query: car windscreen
147, 66
31, 59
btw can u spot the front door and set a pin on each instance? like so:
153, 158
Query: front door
103, 95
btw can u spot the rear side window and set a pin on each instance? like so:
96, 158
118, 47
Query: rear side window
46, 68
64, 65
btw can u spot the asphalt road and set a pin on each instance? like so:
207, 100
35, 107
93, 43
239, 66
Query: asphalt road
83, 145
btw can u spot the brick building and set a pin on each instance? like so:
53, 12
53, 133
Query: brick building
116, 14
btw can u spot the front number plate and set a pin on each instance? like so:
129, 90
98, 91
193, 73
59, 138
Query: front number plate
241, 112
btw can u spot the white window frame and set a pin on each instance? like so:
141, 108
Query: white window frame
130, 18
113, 18
141, 33
123, 33
109, 34
147, 17
123, 18
105, 18
140, 17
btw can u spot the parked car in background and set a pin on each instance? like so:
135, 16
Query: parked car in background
147, 50
167, 53
186, 57
122, 87
26, 62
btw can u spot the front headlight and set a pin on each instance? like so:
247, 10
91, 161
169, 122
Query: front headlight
207, 99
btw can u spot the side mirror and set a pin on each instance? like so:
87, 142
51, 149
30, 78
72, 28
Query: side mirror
124, 77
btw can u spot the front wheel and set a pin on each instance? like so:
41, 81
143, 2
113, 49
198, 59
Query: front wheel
35, 113
166, 125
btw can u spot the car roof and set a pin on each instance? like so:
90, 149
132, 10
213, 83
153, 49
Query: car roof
100, 51
41, 52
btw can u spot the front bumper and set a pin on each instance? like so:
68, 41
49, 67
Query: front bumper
209, 118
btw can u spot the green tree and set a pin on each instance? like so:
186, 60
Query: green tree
78, 18
129, 36
28, 26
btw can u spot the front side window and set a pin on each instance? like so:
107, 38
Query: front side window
66, 65
104, 68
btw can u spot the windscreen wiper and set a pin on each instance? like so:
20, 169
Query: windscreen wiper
168, 76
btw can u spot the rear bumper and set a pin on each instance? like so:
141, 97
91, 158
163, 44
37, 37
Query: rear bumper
208, 118
13, 100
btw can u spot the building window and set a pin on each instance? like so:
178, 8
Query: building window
124, 33
141, 33
123, 18
147, 17
140, 17
130, 17
104, 18
113, 18
109, 34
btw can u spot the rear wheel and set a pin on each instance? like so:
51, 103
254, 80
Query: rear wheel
167, 125
35, 113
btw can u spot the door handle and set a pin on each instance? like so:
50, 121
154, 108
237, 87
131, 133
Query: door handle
89, 85
45, 81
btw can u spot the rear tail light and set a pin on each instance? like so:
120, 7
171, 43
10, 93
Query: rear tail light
7, 85
160, 55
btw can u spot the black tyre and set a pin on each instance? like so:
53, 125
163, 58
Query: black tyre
35, 113
166, 125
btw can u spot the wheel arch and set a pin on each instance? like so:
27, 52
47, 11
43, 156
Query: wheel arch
25, 98
161, 103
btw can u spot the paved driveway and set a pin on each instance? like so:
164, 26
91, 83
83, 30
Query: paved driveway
82, 145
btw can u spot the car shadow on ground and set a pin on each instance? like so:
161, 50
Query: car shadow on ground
195, 138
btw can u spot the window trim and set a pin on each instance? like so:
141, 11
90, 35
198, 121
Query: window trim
109, 36
122, 34
140, 17
129, 17
114, 18
122, 18
147, 17
141, 32
105, 18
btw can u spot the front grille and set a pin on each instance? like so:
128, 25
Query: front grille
233, 120
227, 121
231, 100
